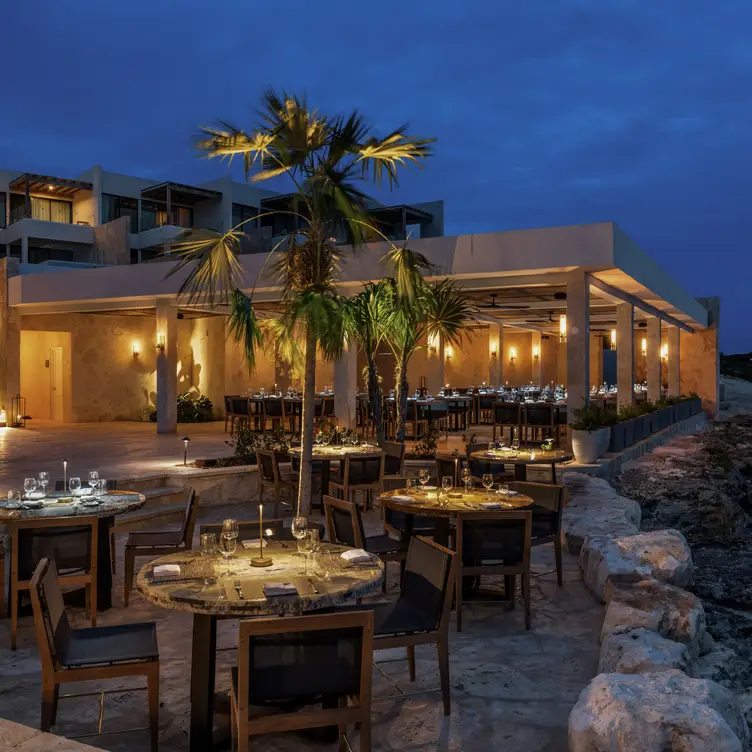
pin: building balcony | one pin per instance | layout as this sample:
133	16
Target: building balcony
41	229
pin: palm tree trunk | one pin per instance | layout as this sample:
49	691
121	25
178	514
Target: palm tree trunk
374	397
309	393
401	379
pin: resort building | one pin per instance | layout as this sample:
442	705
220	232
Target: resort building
89	333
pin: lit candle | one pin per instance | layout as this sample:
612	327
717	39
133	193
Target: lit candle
65	474
261	531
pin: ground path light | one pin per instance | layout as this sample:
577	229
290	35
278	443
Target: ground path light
186	440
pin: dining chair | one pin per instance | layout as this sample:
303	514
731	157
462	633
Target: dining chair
486	408
539	417
494	543
420	616
362	471
458	413
298	661
160	542
3	540
416	419
447	465
270	474
507	415
72	544
274	412
394	461
548	504
89	654
365	416
241	411
479	468
229	417
249	529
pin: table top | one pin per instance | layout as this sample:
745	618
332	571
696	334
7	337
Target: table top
439	504
337	452
114	503
188	592
524	456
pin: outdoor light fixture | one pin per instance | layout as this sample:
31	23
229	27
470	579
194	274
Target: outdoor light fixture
448	352
136	349
536	352
644	346
161	342
186	441
512	354
261	560
664	352
3	417
562	328
433	344
612	343
50	187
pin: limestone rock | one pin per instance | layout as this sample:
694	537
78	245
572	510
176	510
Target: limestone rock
596	509
660	554
641	651
667	610
657	712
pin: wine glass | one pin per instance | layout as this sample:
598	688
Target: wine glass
298	529
43	480
74	485
516	444
467	478
488	481
447	483
409	485
30	485
423	478
93	480
228	544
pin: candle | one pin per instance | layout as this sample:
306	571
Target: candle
65	475
261	531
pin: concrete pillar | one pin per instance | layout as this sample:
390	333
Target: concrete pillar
596	360
495	344
624	354
24	249
653	359
700	360
578	342
213	369
536	358
10	339
346	386
167	366
672	366
435	366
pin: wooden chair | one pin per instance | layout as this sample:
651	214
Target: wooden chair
394	461
365	419
485	408
458	413
549	502
2	574
478	468
362	472
446	465
241	411
416	419
269	474
160	542
229	419
438	413
274	412
303	659
507	415
249	529
93	654
502	538
72	543
540	418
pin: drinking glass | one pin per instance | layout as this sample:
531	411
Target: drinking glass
74	485
488	481
298	529
30	485
103	487
423	478
447	483
409	484
308	544
14	498
43	480
491	446
504	489
516	445
229	544
467	478
93	480
208	549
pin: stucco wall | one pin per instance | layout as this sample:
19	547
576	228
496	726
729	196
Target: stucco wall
520	371
468	365
549	359
36	372
699	360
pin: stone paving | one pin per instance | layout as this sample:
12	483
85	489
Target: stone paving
511	689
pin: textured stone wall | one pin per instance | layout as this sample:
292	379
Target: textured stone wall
112	242
699	360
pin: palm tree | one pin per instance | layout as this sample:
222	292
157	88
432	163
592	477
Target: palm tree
325	158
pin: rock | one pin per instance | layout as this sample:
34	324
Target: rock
641	651
667	610
661	554
594	508
659	712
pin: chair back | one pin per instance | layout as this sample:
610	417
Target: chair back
51	625
362	469
228	405
189	519
247	529
274	407
496	538
539	415
267	465
343	522
318	406
394	457
486	401
305	657
548	505
240	406
428	580
448	465
507	413
328	407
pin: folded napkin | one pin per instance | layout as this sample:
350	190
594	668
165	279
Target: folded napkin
404	499
356	556
490	505
511	493
166	569
253	543
280	588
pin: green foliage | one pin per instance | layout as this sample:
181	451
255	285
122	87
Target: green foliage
646	407
627	412
245	442
192	409
739	365
426	449
592	418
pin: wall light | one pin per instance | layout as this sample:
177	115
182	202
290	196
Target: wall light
512	354
433	344
644	346
448	353
494	350
664	351
161	342
136	349
612	342
562	328
536	352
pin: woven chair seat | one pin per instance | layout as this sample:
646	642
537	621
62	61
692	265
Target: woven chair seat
112	644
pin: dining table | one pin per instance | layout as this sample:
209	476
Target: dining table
59	504
522	458
211	588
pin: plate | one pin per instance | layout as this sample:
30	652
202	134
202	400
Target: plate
33	504
430	488
90	503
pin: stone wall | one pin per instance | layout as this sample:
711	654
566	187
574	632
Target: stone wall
112	242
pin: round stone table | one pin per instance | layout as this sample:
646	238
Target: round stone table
524	457
204	588
58	504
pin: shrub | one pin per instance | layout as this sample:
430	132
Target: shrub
592	418
245	443
426	449
198	409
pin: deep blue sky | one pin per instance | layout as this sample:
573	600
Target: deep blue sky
547	113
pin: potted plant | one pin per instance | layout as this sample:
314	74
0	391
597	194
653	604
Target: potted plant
591	431
622	432
650	418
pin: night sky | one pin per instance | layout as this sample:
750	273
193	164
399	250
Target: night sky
546	113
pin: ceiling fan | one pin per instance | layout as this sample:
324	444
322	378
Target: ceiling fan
502	306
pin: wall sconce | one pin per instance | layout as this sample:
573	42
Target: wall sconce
612	342
562	328
536	353
433	344
512	354
664	352
136	349
161	342
448	352
644	346
494	350
3	417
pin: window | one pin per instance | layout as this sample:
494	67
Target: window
50	210
241	213
39	255
154	214
114	207
2	210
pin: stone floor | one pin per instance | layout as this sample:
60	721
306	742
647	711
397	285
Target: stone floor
511	689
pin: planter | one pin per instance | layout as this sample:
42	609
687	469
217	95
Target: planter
696	406
588	446
669	415
638	428
616	442
628	433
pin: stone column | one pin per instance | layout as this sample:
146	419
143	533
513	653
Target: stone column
346	386
167	366
435	366
10	339
578	341
536	358
213	369
495	345
672	366
624	354
653	359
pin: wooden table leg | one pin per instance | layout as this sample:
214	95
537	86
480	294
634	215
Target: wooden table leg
520	472
104	564
441	531
407	533
553	473
324	482
203	670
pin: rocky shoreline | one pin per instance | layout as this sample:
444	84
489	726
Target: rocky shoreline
701	485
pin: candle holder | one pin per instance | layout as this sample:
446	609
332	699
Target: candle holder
261	560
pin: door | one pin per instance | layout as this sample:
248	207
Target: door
56	384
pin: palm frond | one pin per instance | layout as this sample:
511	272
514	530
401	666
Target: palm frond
244	326
283	342
397	150
448	312
323	312
408	266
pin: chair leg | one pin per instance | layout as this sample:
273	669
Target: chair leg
557	554
510	585
365	733
113	558
233	726
443	650
526	597
458	602
92	590
13	615
50	694
152	682
2	584
130	556
411	662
